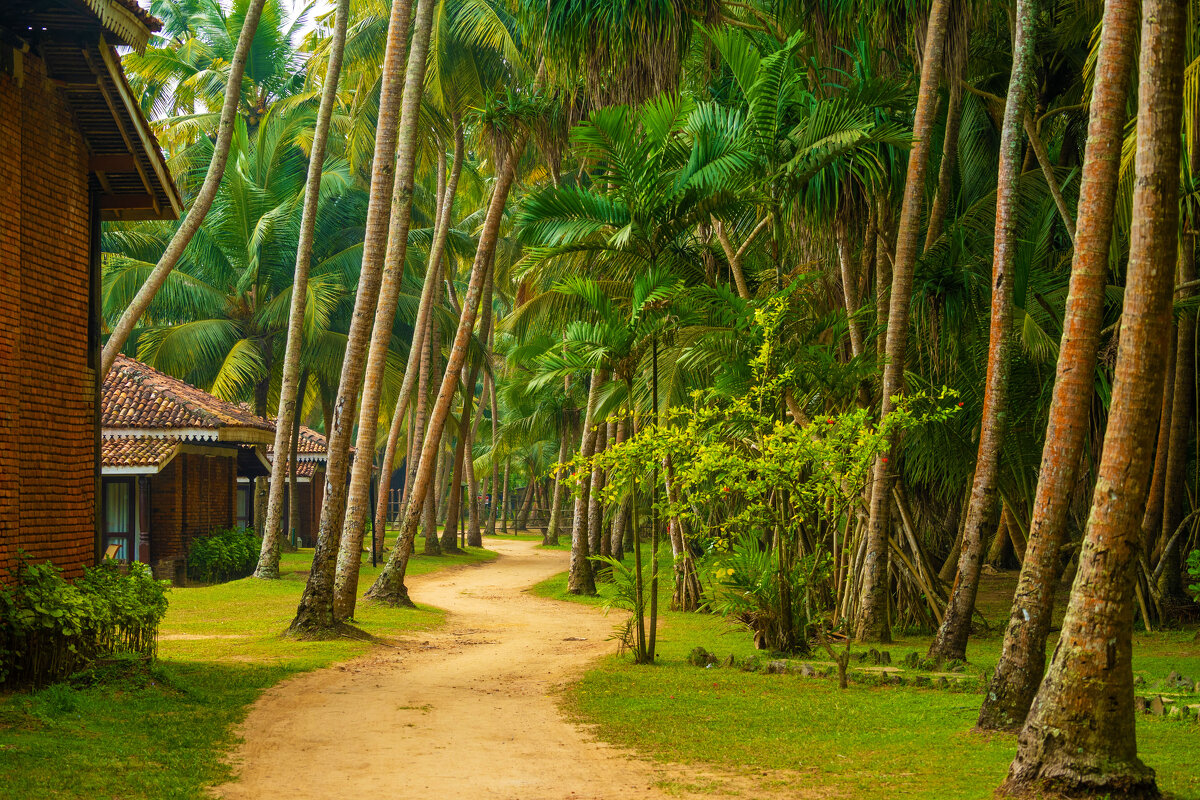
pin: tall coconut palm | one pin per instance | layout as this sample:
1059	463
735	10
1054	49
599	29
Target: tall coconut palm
1079	737
872	620
203	200
389	586
951	640
357	496
315	614
1022	657
289	383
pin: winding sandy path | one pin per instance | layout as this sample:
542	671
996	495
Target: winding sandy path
464	712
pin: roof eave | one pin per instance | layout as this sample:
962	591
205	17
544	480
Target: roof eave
121	22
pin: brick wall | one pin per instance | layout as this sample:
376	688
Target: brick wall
47	407
193	495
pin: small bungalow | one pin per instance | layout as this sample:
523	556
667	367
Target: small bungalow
172	456
310	489
76	151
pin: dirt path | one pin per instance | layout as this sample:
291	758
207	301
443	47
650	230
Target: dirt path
465	712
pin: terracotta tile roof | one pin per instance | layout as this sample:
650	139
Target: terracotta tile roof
136	451
138	398
312	444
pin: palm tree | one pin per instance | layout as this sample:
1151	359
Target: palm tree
315	614
872	620
353	504
951	640
1022	658
202	202
289	384
1079	736
389	586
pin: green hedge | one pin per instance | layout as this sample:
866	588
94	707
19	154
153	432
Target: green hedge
50	628
224	555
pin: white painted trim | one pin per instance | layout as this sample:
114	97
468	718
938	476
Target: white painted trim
195	434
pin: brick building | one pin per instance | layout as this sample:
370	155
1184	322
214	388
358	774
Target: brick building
310	488
172	457
74	150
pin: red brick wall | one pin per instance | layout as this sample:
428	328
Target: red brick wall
47	407
194	495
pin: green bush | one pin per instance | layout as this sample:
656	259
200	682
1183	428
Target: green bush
1193	568
50	628
224	555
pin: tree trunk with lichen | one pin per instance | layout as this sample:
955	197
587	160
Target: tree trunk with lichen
1023	655
1079	738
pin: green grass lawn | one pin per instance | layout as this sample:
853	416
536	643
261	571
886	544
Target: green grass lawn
867	741
162	732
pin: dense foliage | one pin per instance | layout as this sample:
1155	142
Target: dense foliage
51	628
223	555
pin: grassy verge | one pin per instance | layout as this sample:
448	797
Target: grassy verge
162	732
868	741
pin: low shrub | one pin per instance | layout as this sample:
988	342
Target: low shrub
223	555
51	628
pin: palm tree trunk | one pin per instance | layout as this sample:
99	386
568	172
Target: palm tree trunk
581	578
289	388
621	517
849	284
204	198
522	519
504	498
474	529
292	466
454	504
1023	656
1079	738
550	534
420	331
872	620
497	497
390	584
358	496
1182	406
1152	519
315	614
687	594
597	541
945	185
951	640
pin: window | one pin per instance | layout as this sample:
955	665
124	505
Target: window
245	505
118	518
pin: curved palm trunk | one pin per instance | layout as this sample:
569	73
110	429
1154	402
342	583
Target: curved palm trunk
1023	656
389	587
941	198
430	510
496	496
581	578
204	198
1153	516
474	536
951	640
872	621
358	496
315	616
289	386
1079	738
522	520
420	332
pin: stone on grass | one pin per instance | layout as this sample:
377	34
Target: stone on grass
777	667
885	658
1141	705
807	671
942	683
1157	707
699	657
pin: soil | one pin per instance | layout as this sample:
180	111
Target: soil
467	711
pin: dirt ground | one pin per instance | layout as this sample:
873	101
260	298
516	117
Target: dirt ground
463	712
